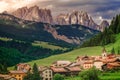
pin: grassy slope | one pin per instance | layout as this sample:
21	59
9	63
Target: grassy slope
105	76
46	45
36	43
116	45
68	56
97	50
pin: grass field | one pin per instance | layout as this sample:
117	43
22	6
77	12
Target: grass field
97	50
36	43
5	39
68	56
110	76
47	45
104	76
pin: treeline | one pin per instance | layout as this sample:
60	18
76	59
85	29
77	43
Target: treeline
10	56
29	33
13	52
107	36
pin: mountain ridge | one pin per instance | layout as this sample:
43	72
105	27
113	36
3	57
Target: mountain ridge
35	30
34	13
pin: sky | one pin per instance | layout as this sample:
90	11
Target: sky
98	9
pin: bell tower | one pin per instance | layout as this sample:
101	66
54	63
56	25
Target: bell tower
104	53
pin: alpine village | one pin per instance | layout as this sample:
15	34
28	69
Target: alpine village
59	40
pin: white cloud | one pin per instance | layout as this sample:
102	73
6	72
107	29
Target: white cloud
49	6
11	5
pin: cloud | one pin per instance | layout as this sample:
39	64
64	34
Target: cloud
11	5
96	8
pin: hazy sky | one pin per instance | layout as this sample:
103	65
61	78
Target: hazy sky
98	9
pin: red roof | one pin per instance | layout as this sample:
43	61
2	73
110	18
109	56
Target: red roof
17	72
58	69
115	64
73	68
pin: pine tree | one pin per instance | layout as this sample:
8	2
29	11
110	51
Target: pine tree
3	69
118	28
113	51
36	75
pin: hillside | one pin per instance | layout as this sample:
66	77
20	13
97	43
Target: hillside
109	38
37	40
69	55
16	28
96	50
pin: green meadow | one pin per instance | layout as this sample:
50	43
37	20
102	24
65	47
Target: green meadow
71	56
103	76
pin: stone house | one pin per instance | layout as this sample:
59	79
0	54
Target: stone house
61	63
46	73
23	67
98	64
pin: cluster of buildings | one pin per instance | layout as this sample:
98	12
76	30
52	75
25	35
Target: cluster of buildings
104	62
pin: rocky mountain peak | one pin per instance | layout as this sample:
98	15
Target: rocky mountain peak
76	17
80	17
34	14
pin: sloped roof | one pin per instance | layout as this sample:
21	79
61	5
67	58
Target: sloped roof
115	64
17	72
75	68
59	69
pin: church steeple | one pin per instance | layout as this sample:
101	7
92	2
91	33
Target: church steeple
104	50
104	53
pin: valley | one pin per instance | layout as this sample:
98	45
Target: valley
40	44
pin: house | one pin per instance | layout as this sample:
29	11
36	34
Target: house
46	73
87	65
60	70
6	77
19	75
73	70
98	64
86	62
96	57
23	67
107	60
67	71
113	65
61	63
82	59
74	64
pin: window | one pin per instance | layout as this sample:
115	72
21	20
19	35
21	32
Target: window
20	79
19	75
46	79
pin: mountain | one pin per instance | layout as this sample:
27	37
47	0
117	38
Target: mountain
104	24
11	26
34	14
44	15
79	17
24	38
107	36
